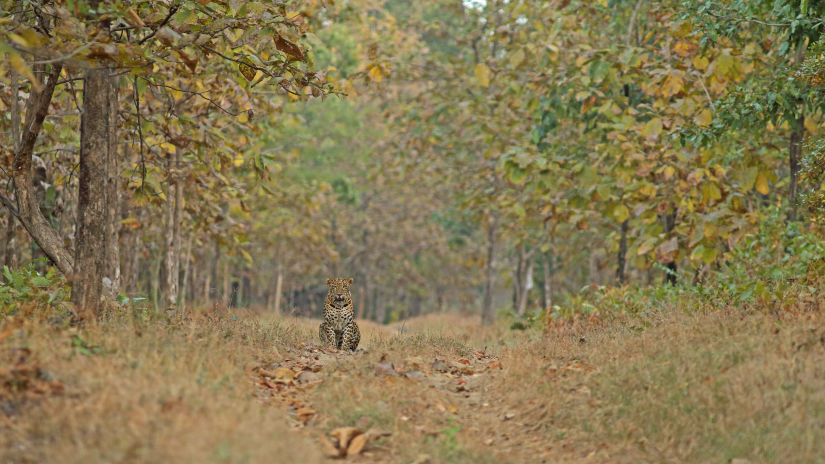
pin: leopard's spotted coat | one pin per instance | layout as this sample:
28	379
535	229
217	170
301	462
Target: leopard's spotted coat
339	329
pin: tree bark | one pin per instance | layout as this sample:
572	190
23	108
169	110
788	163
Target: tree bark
95	152
670	223
171	279
28	209
621	257
524	281
794	152
186	277
547	267
279	281
487	316
111	246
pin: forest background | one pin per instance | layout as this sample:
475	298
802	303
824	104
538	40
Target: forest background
536	158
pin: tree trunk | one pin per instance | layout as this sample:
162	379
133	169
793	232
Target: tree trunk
525	280
487	316
547	267
186	276
670	223
621	257
279	281
795	151
28	209
111	246
171	265
95	149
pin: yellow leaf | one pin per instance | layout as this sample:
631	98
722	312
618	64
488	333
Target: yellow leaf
762	183
710	192
700	62
482	73
672	85
703	118
749	178
621	213
709	230
648	190
811	125
652	128
669	171
21	67
728	67
242	117
516	58
375	73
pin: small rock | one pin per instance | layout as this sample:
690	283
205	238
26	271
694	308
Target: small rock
508	416
308	377
440	366
384	368
415	375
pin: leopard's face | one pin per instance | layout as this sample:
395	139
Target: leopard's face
339	289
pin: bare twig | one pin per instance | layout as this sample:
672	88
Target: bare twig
172	10
192	92
140	136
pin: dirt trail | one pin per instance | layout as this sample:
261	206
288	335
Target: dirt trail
461	387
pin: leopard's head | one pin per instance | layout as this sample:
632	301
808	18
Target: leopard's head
339	288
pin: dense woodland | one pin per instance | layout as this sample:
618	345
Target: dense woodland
579	231
534	157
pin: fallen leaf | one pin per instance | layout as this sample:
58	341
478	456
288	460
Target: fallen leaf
329	448
304	414
356	445
283	375
344	435
374	434
464	361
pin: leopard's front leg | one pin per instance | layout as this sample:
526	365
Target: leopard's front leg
351	338
327	334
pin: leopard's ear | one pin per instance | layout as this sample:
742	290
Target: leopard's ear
350	281
329	281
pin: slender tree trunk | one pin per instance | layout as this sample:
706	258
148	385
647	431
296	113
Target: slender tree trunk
186	274
171	265
670	223
227	291
621	257
279	281
795	151
487	316
525	281
111	246
547	267
380	309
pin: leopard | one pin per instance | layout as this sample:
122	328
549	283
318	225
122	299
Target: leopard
339	330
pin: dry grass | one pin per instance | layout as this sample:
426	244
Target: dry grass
689	388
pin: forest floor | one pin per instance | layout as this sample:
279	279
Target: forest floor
725	386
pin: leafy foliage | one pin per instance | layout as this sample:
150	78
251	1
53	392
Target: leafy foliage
27	286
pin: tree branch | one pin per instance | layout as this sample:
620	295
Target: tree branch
29	214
